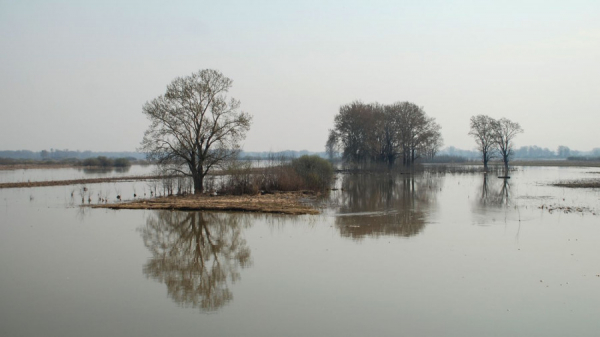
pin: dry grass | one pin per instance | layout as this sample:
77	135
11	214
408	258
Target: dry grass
283	203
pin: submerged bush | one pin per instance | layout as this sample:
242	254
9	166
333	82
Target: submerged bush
304	173
316	172
122	162
239	180
106	162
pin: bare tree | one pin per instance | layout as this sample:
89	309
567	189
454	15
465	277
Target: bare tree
194	125
504	132
431	140
483	130
331	147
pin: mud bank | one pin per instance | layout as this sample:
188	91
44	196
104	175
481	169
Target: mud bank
284	203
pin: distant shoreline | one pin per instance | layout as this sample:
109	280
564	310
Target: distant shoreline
47	183
32	166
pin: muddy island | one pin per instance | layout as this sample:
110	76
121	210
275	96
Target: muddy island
294	203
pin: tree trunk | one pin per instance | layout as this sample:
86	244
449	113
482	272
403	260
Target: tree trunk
198	184
485	163
391	160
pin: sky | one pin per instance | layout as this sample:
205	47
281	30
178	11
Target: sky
75	74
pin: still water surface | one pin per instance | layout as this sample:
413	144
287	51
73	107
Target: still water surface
423	255
24	175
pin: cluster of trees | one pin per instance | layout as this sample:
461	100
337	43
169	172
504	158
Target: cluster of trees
494	137
383	133
102	161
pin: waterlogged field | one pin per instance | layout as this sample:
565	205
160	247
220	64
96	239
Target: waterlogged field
429	254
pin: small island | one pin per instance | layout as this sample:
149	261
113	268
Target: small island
293	203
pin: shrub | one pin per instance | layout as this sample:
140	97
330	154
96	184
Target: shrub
239	180
122	162
91	162
305	173
316	172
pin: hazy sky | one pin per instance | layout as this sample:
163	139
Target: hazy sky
75	74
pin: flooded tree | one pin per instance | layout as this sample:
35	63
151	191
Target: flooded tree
494	137
483	130
194	125
384	133
505	131
355	130
196	255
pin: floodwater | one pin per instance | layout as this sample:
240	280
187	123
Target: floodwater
71	173
428	254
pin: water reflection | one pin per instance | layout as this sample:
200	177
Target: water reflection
385	204
196	255
494	192
104	170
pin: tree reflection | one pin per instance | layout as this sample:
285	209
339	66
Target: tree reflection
196	255
390	204
496	193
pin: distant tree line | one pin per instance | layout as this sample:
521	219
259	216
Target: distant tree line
526	152
379	133
100	161
55	154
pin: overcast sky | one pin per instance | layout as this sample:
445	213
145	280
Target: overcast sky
75	74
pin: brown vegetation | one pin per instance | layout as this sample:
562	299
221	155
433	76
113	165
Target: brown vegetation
304	173
284	203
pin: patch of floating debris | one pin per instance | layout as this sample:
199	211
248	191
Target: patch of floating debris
567	209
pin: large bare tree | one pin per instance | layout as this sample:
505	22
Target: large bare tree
195	126
483	129
505	131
